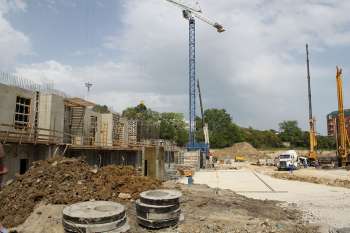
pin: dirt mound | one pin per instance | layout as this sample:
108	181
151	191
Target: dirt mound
242	148
66	181
312	179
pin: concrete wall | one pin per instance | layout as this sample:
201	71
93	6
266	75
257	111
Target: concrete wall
51	114
8	96
14	153
154	162
107	125
87	123
106	157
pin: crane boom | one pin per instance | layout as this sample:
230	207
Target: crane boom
189	12
312	121
204	125
200	101
183	6
308	80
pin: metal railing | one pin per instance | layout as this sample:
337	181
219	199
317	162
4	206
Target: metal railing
31	135
17	81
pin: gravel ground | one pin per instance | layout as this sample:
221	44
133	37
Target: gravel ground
321	204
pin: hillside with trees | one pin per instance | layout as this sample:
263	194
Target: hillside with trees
223	131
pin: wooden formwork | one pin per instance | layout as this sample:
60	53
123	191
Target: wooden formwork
132	131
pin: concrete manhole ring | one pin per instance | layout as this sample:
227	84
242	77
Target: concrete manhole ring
94	212
161	194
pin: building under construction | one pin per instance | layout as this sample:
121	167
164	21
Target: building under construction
37	123
331	122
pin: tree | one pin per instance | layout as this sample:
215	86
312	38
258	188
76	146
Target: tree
173	127
142	113
262	139
101	108
326	142
222	131
290	132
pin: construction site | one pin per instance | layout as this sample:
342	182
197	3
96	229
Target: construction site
70	164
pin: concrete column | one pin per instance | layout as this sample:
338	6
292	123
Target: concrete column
157	162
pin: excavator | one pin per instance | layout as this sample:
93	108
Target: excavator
343	153
312	121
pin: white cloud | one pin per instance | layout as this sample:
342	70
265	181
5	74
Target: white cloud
12	5
117	85
256	69
13	43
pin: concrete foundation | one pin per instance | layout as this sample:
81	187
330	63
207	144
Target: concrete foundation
18	158
107	157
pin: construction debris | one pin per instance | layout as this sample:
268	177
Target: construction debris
67	181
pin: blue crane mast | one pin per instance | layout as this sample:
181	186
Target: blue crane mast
192	83
190	13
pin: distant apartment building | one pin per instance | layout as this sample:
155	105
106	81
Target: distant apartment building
332	119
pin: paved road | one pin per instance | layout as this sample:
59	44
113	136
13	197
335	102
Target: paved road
322	204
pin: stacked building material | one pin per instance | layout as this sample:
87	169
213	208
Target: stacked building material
95	216
192	158
158	208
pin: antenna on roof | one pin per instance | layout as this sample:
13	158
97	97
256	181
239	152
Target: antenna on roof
88	85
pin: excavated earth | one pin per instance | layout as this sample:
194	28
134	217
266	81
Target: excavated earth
312	179
65	181
34	201
205	210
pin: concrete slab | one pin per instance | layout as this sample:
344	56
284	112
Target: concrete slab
321	204
237	180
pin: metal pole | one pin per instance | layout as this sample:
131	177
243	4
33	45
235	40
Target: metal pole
192	82
308	81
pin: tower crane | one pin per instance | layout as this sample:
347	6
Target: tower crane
343	152
190	13
312	120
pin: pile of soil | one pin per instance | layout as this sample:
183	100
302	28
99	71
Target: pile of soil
65	181
205	210
312	179
242	148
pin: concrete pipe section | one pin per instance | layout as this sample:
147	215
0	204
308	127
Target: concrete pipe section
95	216
158	208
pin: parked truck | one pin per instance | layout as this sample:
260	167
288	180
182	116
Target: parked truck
288	160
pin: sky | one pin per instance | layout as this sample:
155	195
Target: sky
137	50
